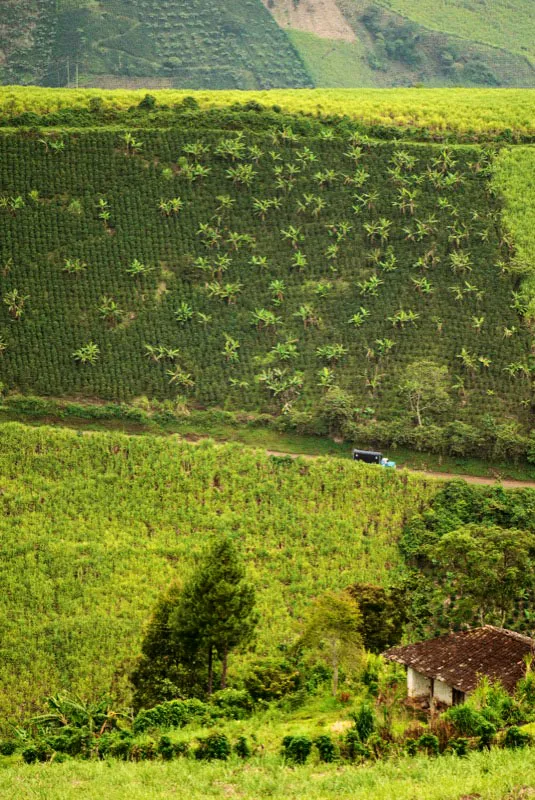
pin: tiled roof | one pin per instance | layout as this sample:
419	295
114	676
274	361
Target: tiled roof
460	659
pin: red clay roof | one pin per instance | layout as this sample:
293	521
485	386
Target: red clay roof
460	659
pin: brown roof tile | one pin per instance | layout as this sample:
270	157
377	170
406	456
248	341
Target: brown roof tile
459	659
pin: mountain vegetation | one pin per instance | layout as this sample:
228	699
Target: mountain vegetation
250	260
200	44
96	526
248	44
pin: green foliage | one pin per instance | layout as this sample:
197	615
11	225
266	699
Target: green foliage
231	704
467	721
475	548
83	605
471	117
296	749
7	747
271	679
172	714
383	615
515	737
242	748
301	351
212	747
365	723
200	45
332	630
215	612
326	748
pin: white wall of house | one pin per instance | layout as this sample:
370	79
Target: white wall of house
417	684
420	686
442	692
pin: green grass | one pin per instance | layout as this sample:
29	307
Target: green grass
94	526
508	25
490	776
333	63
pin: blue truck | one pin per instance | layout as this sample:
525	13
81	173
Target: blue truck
373	457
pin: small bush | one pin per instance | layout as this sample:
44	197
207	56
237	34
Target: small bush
487	732
465	720
7	747
364	719
172	714
296	748
353	748
232	704
37	751
242	747
271	679
515	737
214	746
120	746
326	748
181	749
428	743
165	748
459	746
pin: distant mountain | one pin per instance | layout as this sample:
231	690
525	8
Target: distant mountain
405	42
250	44
213	44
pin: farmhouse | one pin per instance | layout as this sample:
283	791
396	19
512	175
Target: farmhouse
449	667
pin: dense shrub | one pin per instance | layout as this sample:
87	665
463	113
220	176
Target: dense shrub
7	747
212	747
172	714
326	748
364	719
231	704
272	679
242	748
296	748
515	737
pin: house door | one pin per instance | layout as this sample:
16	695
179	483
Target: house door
457	697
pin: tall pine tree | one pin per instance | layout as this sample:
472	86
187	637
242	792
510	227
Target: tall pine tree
216	612
194	629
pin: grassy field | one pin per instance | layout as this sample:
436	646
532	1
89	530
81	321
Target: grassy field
495	775
458	110
95	525
333	63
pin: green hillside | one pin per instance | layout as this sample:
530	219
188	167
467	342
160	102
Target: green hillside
239	262
94	527
240	44
507	25
391	46
196	44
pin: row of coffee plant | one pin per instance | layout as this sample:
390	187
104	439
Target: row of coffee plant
259	270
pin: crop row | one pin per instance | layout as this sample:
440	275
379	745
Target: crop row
267	268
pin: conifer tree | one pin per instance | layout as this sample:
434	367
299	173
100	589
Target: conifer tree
216	611
194	627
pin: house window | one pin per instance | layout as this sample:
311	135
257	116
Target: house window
457	697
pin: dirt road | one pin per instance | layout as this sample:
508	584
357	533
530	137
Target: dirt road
442	476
